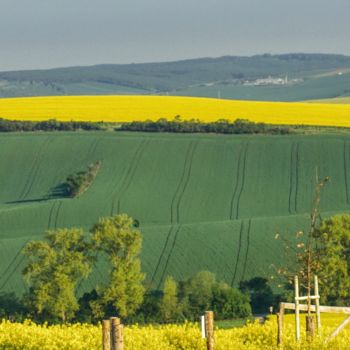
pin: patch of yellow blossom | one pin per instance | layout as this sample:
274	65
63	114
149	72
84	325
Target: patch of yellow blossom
132	108
253	336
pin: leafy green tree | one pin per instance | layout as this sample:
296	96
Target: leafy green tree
196	294
334	259
120	242
229	303
260	293
56	266
169	307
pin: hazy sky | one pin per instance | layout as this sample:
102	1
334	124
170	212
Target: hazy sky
52	33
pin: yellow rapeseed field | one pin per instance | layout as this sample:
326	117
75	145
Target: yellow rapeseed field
29	336
131	108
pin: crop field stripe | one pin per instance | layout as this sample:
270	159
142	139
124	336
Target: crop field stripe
238	253
247	250
297	160
3	285
57	213
187	179
50	214
293	179
346	167
242	179
131	175
235	184
173	207
169	256
124	178
161	255
34	170
3	274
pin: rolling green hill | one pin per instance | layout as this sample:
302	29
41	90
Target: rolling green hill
203	201
320	75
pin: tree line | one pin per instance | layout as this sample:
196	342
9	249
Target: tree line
177	125
7	125
222	126
58	265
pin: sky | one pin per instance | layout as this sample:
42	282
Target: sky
55	33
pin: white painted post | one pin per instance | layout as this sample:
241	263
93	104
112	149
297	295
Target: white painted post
203	326
297	315
317	304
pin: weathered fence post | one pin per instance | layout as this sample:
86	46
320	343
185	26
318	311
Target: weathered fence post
116	334
106	335
209	329
297	315
280	315
317	306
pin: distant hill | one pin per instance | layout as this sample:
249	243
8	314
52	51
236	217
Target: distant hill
287	77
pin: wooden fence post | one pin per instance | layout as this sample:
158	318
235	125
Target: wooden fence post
297	315
280	315
317	306
106	335
117	334
209	329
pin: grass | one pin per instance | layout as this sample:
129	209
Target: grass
129	108
203	201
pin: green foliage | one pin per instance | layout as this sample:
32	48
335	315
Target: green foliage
239	126
7	125
229	303
334	259
202	292
260	294
54	270
117	238
79	182
169	306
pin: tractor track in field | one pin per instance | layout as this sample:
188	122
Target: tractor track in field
3	285
50	214
247	250
242	179
239	184
3	274
293	184
127	178
162	254
57	213
346	172
238	253
181	187
34	169
169	256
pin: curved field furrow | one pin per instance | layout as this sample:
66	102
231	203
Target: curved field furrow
57	214
52	209
34	170
242	179
173	206
292	202
124	179
131	175
185	182
247	251
168	257
296	179
346	170
238	253
13	271
161	256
